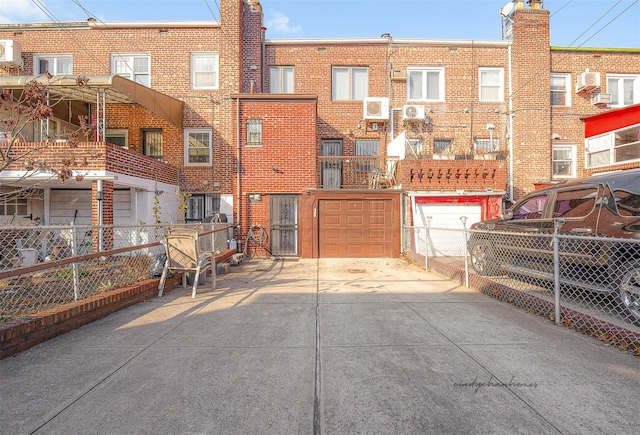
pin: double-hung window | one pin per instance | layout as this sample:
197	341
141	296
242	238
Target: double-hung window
564	161
281	79
134	66
349	83
491	84
55	64
624	89
561	89
425	83
204	70
197	146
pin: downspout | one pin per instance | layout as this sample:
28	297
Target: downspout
263	71
238	166
511	157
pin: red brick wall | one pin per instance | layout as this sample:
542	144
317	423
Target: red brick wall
285	163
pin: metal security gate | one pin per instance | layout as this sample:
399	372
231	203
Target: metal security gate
284	225
332	169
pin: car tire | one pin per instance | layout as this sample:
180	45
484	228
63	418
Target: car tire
629	290
483	259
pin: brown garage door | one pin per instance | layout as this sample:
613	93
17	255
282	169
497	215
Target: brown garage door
355	228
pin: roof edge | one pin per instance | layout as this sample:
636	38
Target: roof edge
393	42
91	24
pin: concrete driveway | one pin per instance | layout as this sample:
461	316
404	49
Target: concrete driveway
328	346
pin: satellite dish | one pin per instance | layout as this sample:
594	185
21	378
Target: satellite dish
507	9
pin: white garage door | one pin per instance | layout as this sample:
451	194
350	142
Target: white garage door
444	237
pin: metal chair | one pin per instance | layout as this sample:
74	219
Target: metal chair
184	255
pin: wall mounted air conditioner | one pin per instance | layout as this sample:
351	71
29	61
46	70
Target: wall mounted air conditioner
412	112
376	109
10	53
587	81
601	99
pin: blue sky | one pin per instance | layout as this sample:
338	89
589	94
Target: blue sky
575	23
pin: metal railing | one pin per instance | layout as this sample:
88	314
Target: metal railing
589	283
357	172
45	266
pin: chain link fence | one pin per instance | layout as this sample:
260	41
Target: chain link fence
589	283
45	266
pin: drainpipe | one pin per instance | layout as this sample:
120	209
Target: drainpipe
100	198
238	166
511	157
263	71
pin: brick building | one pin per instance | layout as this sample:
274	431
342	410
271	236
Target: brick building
322	147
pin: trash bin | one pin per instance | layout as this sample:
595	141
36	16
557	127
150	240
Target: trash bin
28	256
201	277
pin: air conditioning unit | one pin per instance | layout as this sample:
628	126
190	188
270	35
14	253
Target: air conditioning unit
411	112
601	99
10	53
376	109
587	81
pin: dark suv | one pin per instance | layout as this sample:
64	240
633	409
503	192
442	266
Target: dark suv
597	212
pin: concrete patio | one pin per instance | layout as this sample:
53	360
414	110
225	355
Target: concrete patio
331	346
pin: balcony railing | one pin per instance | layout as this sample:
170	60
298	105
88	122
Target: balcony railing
380	172
357	172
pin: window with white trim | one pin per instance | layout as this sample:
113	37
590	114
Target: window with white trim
491	84
134	66
197	146
561	89
117	136
619	146
349	83
564	161
281	80
484	146
624	89
204	70
55	64
425	84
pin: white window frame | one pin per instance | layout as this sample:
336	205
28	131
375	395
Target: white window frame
129	59
187	133
566	78
119	132
424	71
356	91
605	144
285	83
213	56
52	59
616	96
485	145
482	86
572	148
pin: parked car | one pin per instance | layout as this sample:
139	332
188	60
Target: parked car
596	211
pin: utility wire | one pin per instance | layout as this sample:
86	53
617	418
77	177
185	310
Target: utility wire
47	12
562	59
